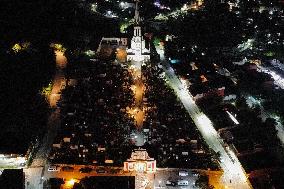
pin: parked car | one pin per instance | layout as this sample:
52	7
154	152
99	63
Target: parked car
85	169
101	171
182	182
183	173
170	183
195	173
67	168
52	168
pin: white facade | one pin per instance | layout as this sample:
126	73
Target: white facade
140	162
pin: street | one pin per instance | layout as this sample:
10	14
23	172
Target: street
234	174
278	79
142	180
172	175
35	171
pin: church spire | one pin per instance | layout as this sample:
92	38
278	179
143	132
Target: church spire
136	17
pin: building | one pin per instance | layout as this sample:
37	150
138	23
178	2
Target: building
13	160
110	182
113	42
140	162
116	41
138	51
212	92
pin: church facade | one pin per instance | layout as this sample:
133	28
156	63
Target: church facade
138	51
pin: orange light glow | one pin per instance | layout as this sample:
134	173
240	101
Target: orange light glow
71	182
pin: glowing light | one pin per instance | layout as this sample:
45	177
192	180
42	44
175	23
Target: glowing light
71	182
21	159
122	4
20	46
90	53
232	118
46	91
58	47
246	45
16	48
94	7
184	8
140	166
157	4
184	82
278	80
123	26
204	120
203	78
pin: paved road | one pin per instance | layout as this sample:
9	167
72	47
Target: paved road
35	171
277	76
137	111
234	174
142	180
164	175
59	80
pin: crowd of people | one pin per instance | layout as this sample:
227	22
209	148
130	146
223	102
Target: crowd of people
173	138
95	124
97	127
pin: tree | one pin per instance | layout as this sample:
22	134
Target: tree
78	186
199	31
203	182
241	103
55	183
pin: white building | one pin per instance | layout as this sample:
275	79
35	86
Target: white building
138	51
140	162
114	42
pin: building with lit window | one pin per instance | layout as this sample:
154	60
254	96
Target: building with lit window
140	162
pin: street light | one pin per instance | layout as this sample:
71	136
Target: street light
70	183
122	5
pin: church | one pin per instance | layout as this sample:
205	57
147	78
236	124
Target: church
138	52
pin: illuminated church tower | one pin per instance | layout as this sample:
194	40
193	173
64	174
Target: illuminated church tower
138	51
